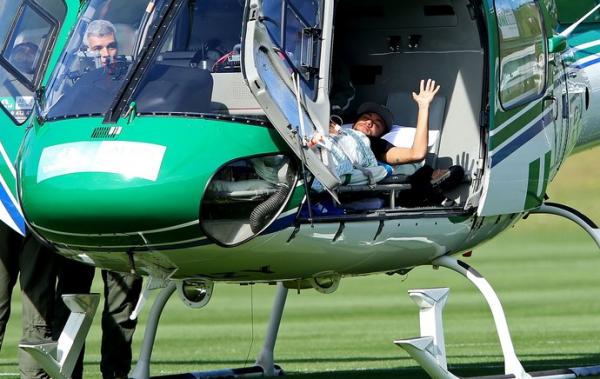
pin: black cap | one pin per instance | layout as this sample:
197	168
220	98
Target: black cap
383	112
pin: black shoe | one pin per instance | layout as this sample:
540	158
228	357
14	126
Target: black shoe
448	179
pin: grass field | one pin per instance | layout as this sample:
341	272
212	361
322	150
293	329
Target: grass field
545	271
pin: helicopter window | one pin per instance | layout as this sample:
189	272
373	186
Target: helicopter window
246	196
25	47
296	32
98	57
57	9
197	69
522	51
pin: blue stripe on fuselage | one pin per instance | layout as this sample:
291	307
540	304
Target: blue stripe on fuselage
12	210
280	224
588	63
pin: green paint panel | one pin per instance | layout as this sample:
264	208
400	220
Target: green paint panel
514	127
531	198
547	162
569	11
106	202
296	198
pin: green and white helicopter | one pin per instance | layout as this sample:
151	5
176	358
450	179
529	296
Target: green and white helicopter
184	158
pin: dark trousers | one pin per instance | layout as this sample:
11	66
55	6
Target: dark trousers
121	293
34	265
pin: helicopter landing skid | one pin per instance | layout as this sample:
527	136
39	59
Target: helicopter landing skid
263	366
429	350
574	215
59	358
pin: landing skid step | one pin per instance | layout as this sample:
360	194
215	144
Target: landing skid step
244	372
58	359
429	350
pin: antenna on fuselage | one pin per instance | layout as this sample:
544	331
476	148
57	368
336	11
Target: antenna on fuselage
565	33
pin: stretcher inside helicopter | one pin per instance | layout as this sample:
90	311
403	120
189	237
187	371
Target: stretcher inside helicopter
383	49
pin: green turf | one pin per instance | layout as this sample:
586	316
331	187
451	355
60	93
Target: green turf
545	271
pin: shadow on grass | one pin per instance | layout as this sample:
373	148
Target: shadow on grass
281	362
526	359
493	366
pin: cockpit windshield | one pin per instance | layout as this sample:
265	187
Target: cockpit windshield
196	67
98	57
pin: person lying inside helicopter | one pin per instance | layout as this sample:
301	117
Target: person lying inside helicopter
23	57
361	146
100	74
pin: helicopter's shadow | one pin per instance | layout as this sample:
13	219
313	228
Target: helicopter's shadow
531	362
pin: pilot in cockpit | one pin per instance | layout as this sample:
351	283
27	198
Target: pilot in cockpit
100	72
100	39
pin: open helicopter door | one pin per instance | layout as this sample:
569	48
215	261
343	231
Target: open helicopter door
285	60
525	111
31	33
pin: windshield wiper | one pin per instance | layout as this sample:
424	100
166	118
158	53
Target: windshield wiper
152	37
247	119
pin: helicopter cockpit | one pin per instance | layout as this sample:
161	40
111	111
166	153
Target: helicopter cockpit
195	69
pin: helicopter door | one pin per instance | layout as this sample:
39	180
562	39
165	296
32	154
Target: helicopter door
561	100
286	63
28	32
523	112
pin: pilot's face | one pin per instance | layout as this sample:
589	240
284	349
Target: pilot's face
105	46
370	124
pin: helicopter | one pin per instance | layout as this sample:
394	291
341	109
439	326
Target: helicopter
185	157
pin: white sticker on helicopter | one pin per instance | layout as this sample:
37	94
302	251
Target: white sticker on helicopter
24	102
130	159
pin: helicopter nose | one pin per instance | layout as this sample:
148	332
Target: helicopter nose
124	192
105	187
113	207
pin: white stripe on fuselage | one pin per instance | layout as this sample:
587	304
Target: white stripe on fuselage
70	245
587	59
586	45
7	160
166	229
